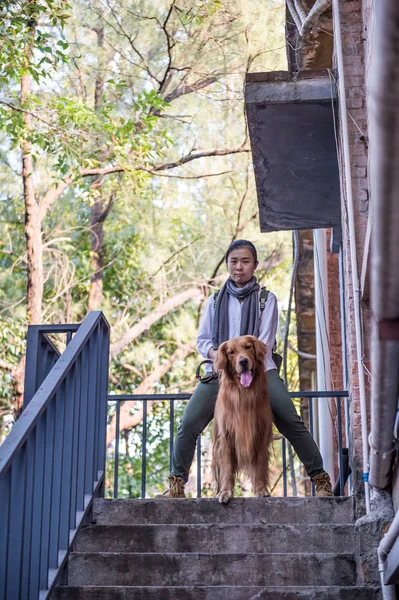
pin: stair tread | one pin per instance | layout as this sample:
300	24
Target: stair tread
201	568
209	510
237	537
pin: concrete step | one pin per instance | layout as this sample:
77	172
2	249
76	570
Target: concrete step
238	510
216	593
217	538
196	569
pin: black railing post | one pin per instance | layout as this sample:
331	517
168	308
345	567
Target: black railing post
144	451
311	433
340	457
116	455
199	483
171	432
284	457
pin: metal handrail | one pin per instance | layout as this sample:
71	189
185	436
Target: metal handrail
42	354
145	398
52	464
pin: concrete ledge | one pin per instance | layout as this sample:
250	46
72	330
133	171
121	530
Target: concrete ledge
316	89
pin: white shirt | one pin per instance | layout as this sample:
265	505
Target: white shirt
268	319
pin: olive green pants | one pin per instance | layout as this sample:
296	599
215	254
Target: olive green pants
199	413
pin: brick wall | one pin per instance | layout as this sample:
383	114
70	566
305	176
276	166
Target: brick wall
354	24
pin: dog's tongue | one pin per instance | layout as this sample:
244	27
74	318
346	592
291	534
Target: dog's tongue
246	378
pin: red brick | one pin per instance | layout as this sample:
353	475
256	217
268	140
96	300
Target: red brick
349	6
354	103
350	20
354	81
359	149
350	38
354	70
359	161
359	114
351	28
353	48
358	172
353	60
356	125
360	183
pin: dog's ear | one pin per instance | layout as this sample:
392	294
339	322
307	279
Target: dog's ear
221	357
260	350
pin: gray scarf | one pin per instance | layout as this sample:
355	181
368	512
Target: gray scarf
249	311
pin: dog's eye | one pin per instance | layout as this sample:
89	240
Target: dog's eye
230	352
247	347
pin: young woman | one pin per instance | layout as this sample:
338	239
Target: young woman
237	312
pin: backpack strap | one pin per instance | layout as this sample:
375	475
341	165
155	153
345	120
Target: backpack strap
215	297
264	294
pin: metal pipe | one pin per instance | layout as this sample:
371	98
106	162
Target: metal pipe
344	357
322	349
340	450
352	246
383	88
384	548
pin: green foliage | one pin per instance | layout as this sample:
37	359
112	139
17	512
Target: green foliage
28	40
12	343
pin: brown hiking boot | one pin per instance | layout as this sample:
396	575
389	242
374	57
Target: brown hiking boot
323	485
176	488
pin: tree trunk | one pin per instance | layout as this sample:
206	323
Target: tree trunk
96	222
33	226
97	255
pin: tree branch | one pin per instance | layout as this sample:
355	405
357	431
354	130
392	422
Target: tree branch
170	44
158	313
183	89
107	209
196	155
57	190
305	22
6	366
128	420
312	19
294	14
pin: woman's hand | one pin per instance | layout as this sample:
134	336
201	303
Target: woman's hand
211	353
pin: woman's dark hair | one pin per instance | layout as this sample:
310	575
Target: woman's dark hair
242	244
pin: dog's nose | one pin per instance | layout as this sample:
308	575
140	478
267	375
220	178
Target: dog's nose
243	362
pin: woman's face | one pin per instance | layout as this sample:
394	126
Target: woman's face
241	265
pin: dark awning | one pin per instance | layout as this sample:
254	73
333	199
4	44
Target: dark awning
291	126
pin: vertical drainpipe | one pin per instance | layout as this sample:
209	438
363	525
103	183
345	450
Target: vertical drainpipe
344	356
323	349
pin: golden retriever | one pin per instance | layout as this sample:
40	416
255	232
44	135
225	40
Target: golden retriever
242	430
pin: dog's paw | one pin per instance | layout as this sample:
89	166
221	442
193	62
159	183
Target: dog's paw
262	494
224	496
